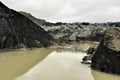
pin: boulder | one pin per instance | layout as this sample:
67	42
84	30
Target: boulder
87	59
17	30
107	55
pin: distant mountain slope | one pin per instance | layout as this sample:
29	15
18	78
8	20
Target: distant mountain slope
75	32
17	31
35	20
69	32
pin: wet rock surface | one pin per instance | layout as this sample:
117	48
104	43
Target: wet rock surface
17	31
87	59
107	55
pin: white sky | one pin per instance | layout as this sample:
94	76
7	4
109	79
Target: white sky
69	10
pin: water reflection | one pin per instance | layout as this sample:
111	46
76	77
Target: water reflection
60	66
65	66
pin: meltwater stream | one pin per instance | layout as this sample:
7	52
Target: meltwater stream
60	66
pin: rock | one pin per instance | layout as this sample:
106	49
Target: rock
91	51
17	30
87	59
107	55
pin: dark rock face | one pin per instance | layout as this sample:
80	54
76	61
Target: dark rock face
107	56
16	30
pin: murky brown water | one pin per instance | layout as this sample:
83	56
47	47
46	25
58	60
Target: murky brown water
104	76
65	66
27	65
15	63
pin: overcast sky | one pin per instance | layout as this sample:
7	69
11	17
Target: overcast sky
69	10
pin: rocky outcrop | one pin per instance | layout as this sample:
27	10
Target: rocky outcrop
107	56
17	31
90	52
